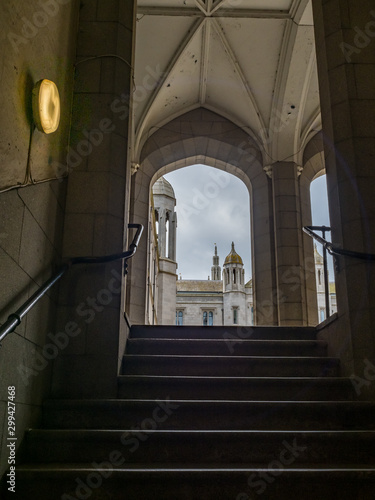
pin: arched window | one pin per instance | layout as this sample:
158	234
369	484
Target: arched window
179	318
208	318
234	276
157	221
167	233
204	318
319	277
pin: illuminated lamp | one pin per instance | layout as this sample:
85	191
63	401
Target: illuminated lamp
46	106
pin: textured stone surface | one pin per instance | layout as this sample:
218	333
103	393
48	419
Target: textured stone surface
47	51
33	223
202	437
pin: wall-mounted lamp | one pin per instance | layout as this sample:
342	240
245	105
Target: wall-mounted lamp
46	106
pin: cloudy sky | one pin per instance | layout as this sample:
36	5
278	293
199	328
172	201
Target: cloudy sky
214	207
319	202
320	215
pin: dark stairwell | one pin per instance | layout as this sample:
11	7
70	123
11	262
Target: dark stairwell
209	413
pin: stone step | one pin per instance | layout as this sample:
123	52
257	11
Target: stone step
208	415
223	332
237	388
231	366
210	447
228	347
195	482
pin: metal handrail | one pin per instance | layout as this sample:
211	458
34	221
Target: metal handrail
15	319
333	250
310	231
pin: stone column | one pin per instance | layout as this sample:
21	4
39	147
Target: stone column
263	252
162	235
97	201
345	34
288	244
172	237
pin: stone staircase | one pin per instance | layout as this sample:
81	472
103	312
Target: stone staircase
209	413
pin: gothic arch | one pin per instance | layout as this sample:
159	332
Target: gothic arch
202	136
313	166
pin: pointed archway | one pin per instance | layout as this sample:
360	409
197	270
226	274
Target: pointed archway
202	136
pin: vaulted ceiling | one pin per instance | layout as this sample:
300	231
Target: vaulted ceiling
251	61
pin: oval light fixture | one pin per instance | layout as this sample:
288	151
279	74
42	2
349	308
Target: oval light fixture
46	106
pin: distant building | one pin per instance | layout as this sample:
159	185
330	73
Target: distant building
319	272
162	265
225	299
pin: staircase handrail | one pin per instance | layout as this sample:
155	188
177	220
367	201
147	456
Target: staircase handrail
15	318
334	250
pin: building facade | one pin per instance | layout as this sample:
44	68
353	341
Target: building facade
213	302
229	301
320	287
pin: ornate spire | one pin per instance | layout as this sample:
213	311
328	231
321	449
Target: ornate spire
233	257
215	269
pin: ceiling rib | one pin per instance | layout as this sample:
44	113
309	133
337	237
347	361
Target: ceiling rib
177	55
303	100
240	73
169	11
201	6
217	5
297	10
229	13
283	69
204	62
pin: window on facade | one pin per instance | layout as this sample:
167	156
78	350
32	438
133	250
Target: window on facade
234	276
235	317
167	235
208	318
179	318
205	318
157	222
320	277
322	314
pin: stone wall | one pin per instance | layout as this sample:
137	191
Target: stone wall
31	222
37	42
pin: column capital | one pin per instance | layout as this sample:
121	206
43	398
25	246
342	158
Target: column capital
268	170
134	168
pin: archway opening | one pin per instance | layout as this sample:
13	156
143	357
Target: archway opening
320	217
212	211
